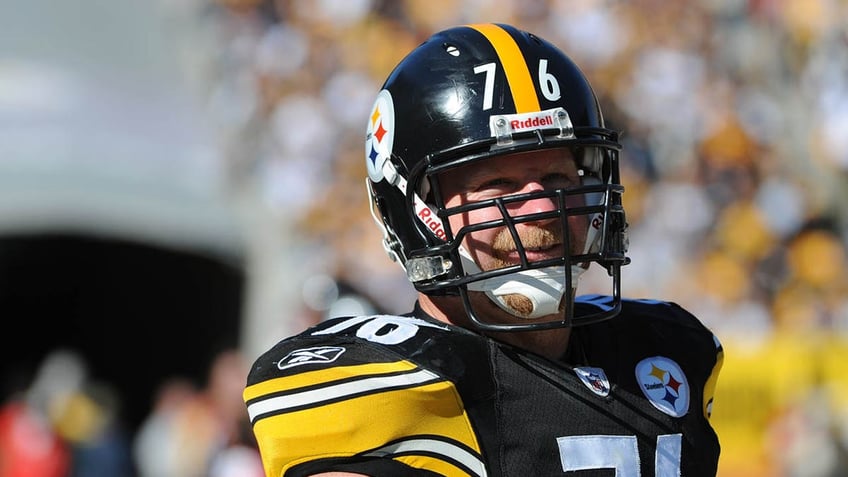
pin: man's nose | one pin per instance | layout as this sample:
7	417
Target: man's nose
534	206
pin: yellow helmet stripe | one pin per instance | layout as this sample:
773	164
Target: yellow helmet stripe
517	74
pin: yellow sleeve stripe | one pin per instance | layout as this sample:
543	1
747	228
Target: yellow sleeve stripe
323	375
338	391
423	426
515	67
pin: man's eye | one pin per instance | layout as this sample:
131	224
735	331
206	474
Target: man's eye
494	184
559	180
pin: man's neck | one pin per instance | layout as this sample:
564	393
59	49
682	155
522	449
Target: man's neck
550	344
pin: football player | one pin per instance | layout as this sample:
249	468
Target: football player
496	185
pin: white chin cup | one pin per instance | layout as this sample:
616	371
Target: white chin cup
544	287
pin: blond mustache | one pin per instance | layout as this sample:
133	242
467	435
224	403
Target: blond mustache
533	238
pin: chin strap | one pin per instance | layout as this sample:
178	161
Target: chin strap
544	287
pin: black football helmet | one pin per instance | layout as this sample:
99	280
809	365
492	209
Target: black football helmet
468	94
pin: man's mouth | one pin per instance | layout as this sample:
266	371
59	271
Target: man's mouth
535	253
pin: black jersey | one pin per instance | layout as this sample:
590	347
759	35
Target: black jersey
409	396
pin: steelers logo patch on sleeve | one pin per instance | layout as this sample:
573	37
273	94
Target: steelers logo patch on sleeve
664	384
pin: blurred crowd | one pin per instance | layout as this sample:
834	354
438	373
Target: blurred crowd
734	116
65	422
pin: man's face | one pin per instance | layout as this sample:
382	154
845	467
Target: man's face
509	175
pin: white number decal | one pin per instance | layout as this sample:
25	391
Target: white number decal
620	453
547	82
384	329
489	86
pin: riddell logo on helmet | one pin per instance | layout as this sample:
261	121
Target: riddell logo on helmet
535	122
502	125
432	222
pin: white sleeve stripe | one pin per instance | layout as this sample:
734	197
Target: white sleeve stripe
433	446
335	392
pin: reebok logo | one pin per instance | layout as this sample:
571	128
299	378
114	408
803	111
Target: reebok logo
316	355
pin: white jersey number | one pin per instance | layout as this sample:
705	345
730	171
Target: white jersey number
383	329
620	453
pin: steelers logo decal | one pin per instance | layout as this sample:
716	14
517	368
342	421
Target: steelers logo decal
380	135
664	384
